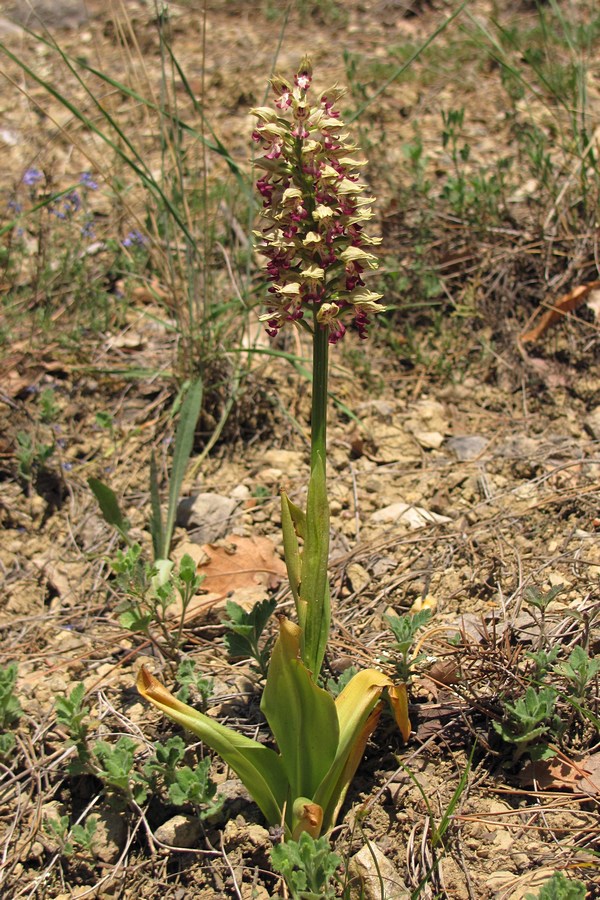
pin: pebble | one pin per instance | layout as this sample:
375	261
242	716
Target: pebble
368	869
467	447
180	831
207	516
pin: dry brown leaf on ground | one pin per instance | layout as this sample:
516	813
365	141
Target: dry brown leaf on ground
240	563
589	782
562	774
565	304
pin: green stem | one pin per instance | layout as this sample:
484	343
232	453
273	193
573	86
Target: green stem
318	444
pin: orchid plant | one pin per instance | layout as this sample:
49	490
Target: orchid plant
315	245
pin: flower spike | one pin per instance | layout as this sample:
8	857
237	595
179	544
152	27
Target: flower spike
315	210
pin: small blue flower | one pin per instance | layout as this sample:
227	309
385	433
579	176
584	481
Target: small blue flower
69	205
32	176
15	206
135	238
88	182
88	229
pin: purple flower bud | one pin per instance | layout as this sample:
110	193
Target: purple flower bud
134	238
87	181
32	176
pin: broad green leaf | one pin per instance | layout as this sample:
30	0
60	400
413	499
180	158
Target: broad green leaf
301	715
314	588
292	553
259	768
354	708
108	503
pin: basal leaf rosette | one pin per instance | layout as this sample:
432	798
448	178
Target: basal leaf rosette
315	209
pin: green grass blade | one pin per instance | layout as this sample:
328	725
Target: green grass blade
184	442
134	161
156	520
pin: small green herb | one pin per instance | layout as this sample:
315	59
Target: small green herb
335	686
195	786
49	408
559	887
245	632
116	768
71	714
79	837
579	671
166	758
404	629
10	709
308	867
188	677
528	721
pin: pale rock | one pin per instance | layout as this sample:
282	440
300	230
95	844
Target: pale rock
240	492
235	798
358	577
110	835
412	516
383	409
428	415
48	13
180	831
467	447
429	440
368	869
254	892
269	476
289	461
206	516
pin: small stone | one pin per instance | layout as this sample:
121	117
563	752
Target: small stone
206	516
413	516
270	475
180	831
369	869
110	834
468	446
429	440
289	461
358	577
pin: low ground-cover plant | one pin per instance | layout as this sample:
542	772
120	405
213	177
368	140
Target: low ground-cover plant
10	709
317	250
118	766
308	867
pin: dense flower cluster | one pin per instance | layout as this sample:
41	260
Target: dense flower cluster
315	208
